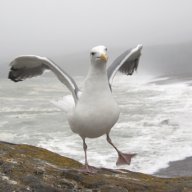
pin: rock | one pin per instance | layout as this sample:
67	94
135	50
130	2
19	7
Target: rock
29	168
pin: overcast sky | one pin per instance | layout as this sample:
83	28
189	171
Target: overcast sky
55	27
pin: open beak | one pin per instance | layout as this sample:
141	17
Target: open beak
104	57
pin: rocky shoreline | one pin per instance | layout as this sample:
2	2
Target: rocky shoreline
180	168
27	168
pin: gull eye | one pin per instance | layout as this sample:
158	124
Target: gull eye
92	53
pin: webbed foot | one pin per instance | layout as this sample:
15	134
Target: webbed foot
125	158
87	169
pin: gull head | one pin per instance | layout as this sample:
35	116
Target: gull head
99	55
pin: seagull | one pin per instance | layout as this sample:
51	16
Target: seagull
93	111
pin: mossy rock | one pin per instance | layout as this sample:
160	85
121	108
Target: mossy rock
29	168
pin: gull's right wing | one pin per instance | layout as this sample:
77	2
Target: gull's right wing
28	66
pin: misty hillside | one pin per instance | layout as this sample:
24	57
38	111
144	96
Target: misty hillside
167	59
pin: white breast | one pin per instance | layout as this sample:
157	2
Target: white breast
96	111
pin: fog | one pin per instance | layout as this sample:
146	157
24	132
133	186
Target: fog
65	30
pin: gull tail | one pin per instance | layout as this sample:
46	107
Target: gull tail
66	104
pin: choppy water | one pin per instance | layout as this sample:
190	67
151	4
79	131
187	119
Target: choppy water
155	121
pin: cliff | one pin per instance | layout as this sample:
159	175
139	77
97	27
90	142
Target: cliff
27	168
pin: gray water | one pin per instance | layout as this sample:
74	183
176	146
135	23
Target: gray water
155	121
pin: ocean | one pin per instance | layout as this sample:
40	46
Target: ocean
155	121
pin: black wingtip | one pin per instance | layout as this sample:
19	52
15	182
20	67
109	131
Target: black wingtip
11	75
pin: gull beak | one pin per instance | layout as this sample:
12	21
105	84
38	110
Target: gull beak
104	57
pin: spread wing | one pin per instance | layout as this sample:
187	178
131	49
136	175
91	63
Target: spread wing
126	63
28	66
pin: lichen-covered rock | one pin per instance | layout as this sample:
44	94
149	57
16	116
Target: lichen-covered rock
26	168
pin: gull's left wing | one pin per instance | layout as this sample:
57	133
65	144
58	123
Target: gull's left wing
126	63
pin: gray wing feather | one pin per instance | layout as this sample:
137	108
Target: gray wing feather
126	63
28	66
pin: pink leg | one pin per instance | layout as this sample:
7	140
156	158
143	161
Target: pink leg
123	158
87	168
